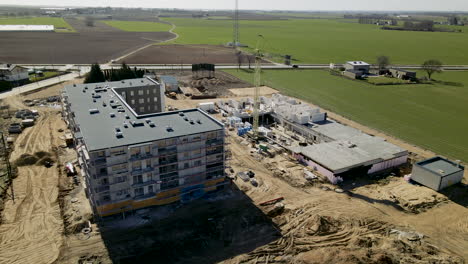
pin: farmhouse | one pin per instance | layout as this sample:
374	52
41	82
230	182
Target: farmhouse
437	173
343	151
357	66
14	74
27	28
131	160
403	74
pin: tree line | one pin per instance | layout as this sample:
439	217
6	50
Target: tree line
96	74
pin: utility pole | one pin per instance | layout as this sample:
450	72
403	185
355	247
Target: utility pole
235	40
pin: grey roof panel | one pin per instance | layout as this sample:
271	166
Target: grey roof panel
99	129
440	166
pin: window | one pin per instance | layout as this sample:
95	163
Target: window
101	154
141	100
196	152
119	167
186	154
148	92
137	179
117	151
136	165
122	192
120	179
155	99
142	109
186	165
150	188
132	93
211	135
135	151
141	92
147	149
148	99
139	191
197	163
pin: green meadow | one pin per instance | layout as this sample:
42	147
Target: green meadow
329	40
432	116
138	26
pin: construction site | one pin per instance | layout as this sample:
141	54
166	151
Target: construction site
279	206
198	166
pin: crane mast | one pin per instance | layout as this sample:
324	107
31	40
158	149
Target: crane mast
257	82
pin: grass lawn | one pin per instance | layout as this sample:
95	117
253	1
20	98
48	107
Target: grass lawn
60	24
138	26
47	74
433	116
329	40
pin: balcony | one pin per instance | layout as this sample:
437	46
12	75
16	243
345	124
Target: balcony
141	156
101	174
102	189
216	151
141	171
214	141
140	184
217	168
100	161
165	151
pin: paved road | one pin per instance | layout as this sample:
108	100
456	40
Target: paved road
40	84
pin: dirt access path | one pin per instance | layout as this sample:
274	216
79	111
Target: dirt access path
32	225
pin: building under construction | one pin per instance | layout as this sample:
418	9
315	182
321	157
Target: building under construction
132	159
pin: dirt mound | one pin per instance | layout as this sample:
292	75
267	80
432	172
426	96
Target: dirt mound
41	158
26	160
309	237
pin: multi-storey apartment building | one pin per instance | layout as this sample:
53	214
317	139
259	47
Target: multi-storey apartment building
131	160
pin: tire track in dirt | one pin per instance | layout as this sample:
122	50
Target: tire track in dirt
32	232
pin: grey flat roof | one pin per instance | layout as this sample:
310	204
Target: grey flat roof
335	130
356	63
99	130
440	166
350	148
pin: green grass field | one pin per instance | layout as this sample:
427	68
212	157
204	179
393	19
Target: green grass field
60	24
431	116
46	75
138	26
325	41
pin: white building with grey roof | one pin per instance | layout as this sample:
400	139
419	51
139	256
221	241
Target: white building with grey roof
131	158
342	150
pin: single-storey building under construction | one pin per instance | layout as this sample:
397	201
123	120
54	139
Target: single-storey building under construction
342	151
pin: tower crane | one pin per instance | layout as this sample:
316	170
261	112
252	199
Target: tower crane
257	80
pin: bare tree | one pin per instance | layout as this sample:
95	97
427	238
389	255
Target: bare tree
383	62
89	21
249	60
239	59
431	67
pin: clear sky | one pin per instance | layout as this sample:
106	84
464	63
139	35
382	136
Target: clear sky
352	5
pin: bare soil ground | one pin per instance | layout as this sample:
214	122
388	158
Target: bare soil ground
372	221
219	86
188	54
73	48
